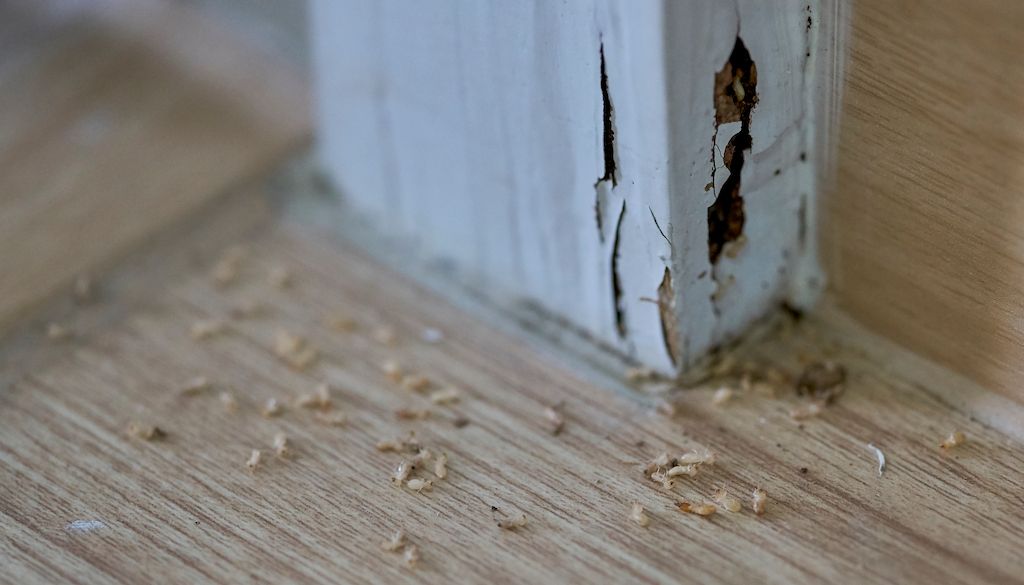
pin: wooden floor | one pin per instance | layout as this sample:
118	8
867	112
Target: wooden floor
81	501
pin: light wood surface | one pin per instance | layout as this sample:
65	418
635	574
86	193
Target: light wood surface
117	119
185	507
924	240
81	501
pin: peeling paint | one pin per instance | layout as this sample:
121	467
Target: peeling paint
608	148
669	323
735	98
609	127
620	311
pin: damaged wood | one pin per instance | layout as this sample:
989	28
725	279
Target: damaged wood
667	314
608	147
508	182
735	98
620	311
608	136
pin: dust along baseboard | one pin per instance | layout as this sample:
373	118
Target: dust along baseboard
646	171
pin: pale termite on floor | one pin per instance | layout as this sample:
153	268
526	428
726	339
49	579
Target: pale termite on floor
554	419
449	395
207	328
228	401
805	411
512	524
640	374
395	543
431	335
392	370
637	514
723	395
954	439
411	557
246	309
879	456
195	386
271	408
701	457
657	464
279	277
727	500
342	322
294	351
302	359
664	469
759	501
254	460
385	335
700	509
320	397
398	445
225	272
666	482
822	381
406	413
333	418
57	332
286	342
417	484
441	466
666	408
82	289
687	470
145	432
422	456
415	382
281	447
401	472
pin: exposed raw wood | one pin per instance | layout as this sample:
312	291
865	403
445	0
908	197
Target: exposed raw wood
82	501
924	238
572	154
117	119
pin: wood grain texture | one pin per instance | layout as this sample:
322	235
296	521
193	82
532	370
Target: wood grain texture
924	240
186	509
117	119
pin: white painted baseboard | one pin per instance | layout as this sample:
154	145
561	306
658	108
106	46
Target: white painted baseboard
569	153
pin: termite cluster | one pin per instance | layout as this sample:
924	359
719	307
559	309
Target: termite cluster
417	460
664	469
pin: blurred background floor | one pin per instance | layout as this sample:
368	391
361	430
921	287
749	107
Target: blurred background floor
134	145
